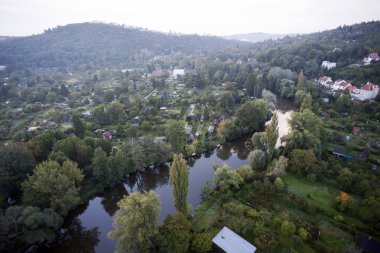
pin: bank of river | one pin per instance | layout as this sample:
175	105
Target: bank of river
85	229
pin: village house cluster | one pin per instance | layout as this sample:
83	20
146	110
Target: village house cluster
367	91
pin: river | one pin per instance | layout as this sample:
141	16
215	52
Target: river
85	229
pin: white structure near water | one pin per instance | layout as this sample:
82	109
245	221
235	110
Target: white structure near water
230	242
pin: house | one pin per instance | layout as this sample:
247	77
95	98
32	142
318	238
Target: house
197	134
367	92
374	56
136	120
340	85
163	109
325	81
86	113
351	88
211	129
230	242
188	129
107	135
328	65
178	72
356	130
160	138
367	243
33	128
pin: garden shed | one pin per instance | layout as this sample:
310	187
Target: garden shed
230	242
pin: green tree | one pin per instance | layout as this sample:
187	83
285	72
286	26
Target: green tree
227	100
257	159
179	179
176	136
100	168
206	113
201	243
53	185
135	222
302	161
76	149
301	83
307	102
270	137
116	112
278	166
303	234
78	126
251	115
251	85
36	225
269	97
174	235
41	145
288	228
279	184
257	140
298	97
227	179
305	133
16	162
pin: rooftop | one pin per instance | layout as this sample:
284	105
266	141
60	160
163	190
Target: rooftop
231	242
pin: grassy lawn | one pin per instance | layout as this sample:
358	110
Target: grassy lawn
321	195
318	193
206	218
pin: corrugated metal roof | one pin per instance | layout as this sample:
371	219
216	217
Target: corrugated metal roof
231	242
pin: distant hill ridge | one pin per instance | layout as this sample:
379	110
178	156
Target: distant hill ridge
256	36
100	44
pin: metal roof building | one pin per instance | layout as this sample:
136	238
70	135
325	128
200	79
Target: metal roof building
230	242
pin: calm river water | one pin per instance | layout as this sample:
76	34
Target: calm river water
85	230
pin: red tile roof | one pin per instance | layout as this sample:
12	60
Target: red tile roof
351	88
369	87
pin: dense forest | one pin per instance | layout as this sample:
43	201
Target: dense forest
91	45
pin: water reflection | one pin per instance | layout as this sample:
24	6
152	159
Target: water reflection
75	238
110	198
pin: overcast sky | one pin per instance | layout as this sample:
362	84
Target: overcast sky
217	17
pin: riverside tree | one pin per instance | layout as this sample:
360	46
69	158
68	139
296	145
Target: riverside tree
135	222
54	185
179	179
176	136
270	137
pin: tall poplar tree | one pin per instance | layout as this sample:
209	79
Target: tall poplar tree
179	179
270	137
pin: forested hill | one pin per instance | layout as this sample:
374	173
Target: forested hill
344	45
97	44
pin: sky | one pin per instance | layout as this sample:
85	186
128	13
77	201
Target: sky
213	17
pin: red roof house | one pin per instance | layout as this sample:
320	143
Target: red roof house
107	135
356	130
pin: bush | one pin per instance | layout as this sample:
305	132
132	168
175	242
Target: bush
201	243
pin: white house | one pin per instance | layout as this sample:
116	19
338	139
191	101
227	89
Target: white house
340	85
328	65
367	92
325	81
371	57
178	72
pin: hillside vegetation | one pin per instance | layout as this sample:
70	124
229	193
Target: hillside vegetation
97	45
